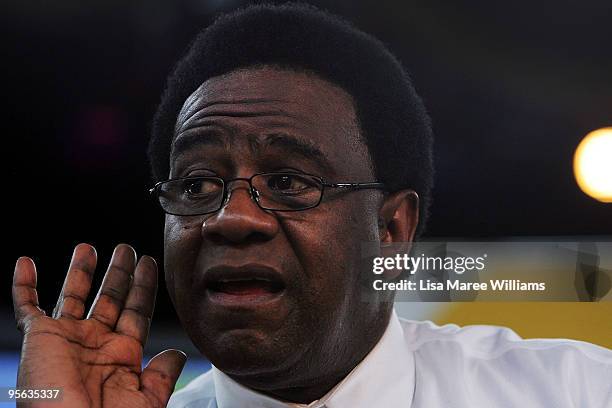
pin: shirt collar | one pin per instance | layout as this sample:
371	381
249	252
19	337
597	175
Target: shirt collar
384	378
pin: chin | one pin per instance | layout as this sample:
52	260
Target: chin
245	352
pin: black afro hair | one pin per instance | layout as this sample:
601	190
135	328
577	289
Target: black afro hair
392	117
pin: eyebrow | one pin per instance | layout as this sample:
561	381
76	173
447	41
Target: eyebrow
301	147
192	140
291	143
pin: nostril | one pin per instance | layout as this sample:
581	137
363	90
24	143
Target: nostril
236	239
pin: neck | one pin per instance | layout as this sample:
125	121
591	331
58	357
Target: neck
305	394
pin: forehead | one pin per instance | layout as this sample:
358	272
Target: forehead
254	102
301	94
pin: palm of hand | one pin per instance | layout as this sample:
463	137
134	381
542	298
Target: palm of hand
95	361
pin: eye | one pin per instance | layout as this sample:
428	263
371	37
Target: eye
198	187
288	183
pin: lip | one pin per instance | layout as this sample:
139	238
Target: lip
253	285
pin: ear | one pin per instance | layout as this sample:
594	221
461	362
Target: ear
398	217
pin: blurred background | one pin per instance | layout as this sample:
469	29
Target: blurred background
512	87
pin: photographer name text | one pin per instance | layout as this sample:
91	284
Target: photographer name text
455	284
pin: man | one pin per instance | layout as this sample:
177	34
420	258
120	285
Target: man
286	139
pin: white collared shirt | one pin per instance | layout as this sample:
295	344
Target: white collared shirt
418	364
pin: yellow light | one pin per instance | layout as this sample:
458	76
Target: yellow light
593	164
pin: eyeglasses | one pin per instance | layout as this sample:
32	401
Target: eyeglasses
271	191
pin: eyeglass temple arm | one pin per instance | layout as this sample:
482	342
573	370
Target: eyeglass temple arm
153	189
357	186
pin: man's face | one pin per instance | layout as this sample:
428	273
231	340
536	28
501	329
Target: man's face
311	319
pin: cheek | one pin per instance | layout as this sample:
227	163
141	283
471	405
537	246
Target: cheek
328	244
182	240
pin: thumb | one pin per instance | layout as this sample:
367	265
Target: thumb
160	375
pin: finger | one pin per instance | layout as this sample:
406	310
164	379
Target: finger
136	315
160	375
25	298
115	286
71	302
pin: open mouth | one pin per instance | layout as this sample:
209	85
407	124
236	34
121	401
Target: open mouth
244	284
243	287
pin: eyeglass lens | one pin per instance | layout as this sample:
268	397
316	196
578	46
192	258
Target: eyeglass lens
275	191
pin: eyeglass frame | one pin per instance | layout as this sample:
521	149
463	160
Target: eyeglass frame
254	193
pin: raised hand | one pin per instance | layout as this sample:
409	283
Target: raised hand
96	360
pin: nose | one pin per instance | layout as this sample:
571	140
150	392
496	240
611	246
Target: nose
240	220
